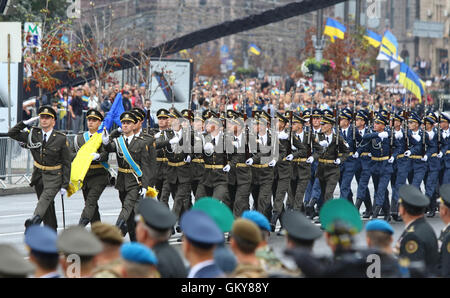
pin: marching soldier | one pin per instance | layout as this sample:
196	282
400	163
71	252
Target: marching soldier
304	156
330	156
52	162
445	148
197	163
97	177
348	168
444	238
416	152
215	178
418	241
133	178
240	175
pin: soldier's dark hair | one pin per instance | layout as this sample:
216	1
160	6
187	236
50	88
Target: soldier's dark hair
46	261
308	244
247	247
413	210
379	239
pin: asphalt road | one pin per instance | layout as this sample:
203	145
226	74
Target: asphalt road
15	209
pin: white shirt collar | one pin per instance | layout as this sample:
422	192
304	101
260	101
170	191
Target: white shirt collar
130	138
48	133
198	267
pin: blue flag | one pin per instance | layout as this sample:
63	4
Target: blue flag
113	115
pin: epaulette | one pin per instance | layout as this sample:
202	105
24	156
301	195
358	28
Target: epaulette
410	230
59	132
36	127
139	137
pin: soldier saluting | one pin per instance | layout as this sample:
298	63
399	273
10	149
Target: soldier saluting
52	161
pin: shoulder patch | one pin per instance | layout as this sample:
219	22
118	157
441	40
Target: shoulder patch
448	247
410	230
67	143
411	246
59	132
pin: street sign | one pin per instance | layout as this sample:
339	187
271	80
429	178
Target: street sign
428	29
32	35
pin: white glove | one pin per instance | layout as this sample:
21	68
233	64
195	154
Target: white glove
31	120
272	163
95	156
249	161
289	157
383	135
119	129
417	138
235	144
105	138
391	160
323	143
226	168
440	154
310	160
424	158
355	155
63	191
407	153
398	134
187	159
157	135
208	147
283	136
369	154
293	148
143	191
337	161
174	140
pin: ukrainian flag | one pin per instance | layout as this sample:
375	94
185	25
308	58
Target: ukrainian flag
389	44
373	38
254	49
409	79
334	29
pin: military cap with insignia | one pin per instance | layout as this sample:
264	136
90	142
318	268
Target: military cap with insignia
198	116
140	114
430	117
296	118
258	218
262	116
380	119
207	114
156	215
213	118
307	114
77	240
162	113
187	114
316	113
410	195
41	239
342	211
246	230
327	117
218	211
299	227
200	228
414	118
282	118
12	263
346	113
128	116
47	110
398	117
174	113
379	225
444	190
445	116
93	113
138	253
383	113
107	233
362	114
231	114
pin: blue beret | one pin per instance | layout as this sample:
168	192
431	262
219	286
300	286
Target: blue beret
258	218
42	239
199	227
379	225
138	253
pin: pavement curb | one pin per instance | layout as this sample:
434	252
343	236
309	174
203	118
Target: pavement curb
16	190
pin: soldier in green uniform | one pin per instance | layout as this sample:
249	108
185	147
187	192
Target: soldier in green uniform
444	238
240	175
330	157
215	178
97	177
282	171
418	242
133	178
263	162
52	161
197	163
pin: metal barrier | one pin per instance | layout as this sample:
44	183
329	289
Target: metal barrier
17	162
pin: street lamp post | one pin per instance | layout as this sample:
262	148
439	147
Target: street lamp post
318	42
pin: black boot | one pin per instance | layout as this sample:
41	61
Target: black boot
122	226
394	212
273	221
83	222
35	220
376	212
310	208
387	215
368	212
358	204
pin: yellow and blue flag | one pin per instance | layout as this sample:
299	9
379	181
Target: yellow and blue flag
373	38
409	79
114	113
334	29
389	49
254	49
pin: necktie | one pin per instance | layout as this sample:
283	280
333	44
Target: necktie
128	142
345	134
45	139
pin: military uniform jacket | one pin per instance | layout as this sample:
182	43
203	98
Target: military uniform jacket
444	239
283	168
170	264
151	145
178	170
263	155
445	149
240	173
434	163
55	152
98	168
330	153
139	152
197	163
218	159
418	243
301	168
161	154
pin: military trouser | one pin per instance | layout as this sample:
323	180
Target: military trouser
328	176
163	188
346	177
262	194
282	188
219	191
298	190
46	205
241	195
403	169
129	200
419	169
92	189
181	198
